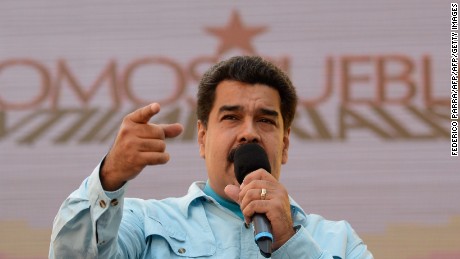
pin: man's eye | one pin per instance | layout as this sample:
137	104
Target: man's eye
229	117
269	121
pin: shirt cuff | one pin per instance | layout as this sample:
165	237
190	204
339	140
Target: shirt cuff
301	245
100	199
98	185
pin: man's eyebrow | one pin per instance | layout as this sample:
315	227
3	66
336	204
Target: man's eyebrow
230	108
269	112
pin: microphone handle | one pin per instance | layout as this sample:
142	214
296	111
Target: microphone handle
263	234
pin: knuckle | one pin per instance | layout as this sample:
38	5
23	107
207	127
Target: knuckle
125	130
144	146
127	118
255	195
158	132
241	196
252	205
161	146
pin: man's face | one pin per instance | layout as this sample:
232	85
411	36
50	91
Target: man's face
242	113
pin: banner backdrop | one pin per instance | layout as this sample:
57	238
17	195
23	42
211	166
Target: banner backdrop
371	142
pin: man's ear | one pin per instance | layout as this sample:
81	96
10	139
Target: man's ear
284	158
201	137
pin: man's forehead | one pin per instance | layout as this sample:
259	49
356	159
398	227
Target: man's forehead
235	92
272	111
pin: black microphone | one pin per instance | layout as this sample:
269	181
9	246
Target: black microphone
248	158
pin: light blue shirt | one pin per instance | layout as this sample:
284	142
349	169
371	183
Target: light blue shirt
232	206
93	223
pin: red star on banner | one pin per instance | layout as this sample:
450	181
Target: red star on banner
235	35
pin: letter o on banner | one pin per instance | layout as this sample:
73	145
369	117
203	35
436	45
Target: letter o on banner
44	87
179	75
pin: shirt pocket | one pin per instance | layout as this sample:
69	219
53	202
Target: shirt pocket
181	243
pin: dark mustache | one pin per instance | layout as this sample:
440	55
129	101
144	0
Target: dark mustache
231	154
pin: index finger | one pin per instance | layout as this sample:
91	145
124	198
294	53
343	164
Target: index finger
143	115
259	174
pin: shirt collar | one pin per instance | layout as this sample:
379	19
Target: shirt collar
295	207
195	191
232	206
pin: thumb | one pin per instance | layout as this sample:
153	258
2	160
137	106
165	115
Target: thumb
172	130
232	192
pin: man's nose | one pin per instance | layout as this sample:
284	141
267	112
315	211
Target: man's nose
249	133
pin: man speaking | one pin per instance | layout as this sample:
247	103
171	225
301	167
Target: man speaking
245	108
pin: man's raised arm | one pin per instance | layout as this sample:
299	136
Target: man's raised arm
88	222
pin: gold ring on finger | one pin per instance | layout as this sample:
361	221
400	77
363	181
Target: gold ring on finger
263	193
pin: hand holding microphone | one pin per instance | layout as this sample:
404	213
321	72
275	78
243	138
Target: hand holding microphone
248	158
262	198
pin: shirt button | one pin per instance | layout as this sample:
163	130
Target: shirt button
114	202
181	250
102	204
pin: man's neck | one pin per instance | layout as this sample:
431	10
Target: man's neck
230	205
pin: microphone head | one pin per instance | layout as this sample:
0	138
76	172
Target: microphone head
248	158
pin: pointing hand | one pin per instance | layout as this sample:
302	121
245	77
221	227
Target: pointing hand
138	144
